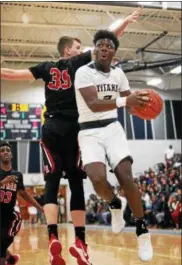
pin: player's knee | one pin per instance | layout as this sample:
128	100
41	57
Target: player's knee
96	173
51	190
97	179
77	201
124	174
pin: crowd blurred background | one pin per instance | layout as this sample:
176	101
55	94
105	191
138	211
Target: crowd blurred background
160	189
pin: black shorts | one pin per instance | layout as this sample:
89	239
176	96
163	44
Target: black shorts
60	148
10	226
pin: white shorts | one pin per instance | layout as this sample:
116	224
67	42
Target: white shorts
99	144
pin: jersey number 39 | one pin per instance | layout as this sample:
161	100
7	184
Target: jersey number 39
60	79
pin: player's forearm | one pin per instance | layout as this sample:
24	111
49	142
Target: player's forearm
11	74
28	198
102	105
7	74
119	31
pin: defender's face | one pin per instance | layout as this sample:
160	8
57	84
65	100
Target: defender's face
5	154
105	51
75	49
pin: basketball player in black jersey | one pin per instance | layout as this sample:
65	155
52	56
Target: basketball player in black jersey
59	138
11	182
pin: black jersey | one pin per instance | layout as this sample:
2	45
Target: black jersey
59	80
8	192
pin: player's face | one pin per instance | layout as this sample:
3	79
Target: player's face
75	49
5	154
105	51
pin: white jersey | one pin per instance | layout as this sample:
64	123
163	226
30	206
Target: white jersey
108	86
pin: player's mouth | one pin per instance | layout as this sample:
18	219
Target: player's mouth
6	156
104	56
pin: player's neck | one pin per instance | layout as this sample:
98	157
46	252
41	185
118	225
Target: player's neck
64	57
102	68
6	166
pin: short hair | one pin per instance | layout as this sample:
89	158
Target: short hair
106	34
5	144
66	41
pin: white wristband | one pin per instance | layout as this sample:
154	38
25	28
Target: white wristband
121	102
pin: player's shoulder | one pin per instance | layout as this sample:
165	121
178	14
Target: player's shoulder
16	173
50	64
63	62
117	69
45	66
86	68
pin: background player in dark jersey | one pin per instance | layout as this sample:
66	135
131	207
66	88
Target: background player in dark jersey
59	137
11	182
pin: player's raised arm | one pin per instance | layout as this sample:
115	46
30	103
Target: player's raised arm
12	74
119	30
127	20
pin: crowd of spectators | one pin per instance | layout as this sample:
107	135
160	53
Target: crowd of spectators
160	190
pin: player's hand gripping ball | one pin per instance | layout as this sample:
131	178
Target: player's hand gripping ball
151	109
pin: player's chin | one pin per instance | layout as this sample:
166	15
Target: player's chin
6	159
103	60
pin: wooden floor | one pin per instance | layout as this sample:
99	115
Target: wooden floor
105	247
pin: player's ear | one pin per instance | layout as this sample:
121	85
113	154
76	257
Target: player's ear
67	51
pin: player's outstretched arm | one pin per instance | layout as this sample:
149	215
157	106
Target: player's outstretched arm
11	74
127	20
119	31
28	198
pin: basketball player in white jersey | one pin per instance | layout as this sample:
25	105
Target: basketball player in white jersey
101	89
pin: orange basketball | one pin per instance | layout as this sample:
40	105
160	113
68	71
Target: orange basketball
152	109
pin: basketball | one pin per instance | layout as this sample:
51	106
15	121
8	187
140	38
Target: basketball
152	109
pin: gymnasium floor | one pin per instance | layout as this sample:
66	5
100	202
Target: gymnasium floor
105	247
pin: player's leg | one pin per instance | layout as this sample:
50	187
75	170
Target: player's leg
5	255
11	259
94	162
70	156
121	161
12	231
3	248
52	175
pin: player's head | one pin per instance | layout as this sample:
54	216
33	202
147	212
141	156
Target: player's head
5	152
69	47
106	45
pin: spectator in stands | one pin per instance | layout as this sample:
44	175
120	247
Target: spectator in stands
120	194
175	211
91	209
169	155
61	209
147	199
40	215
90	216
32	211
104	214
